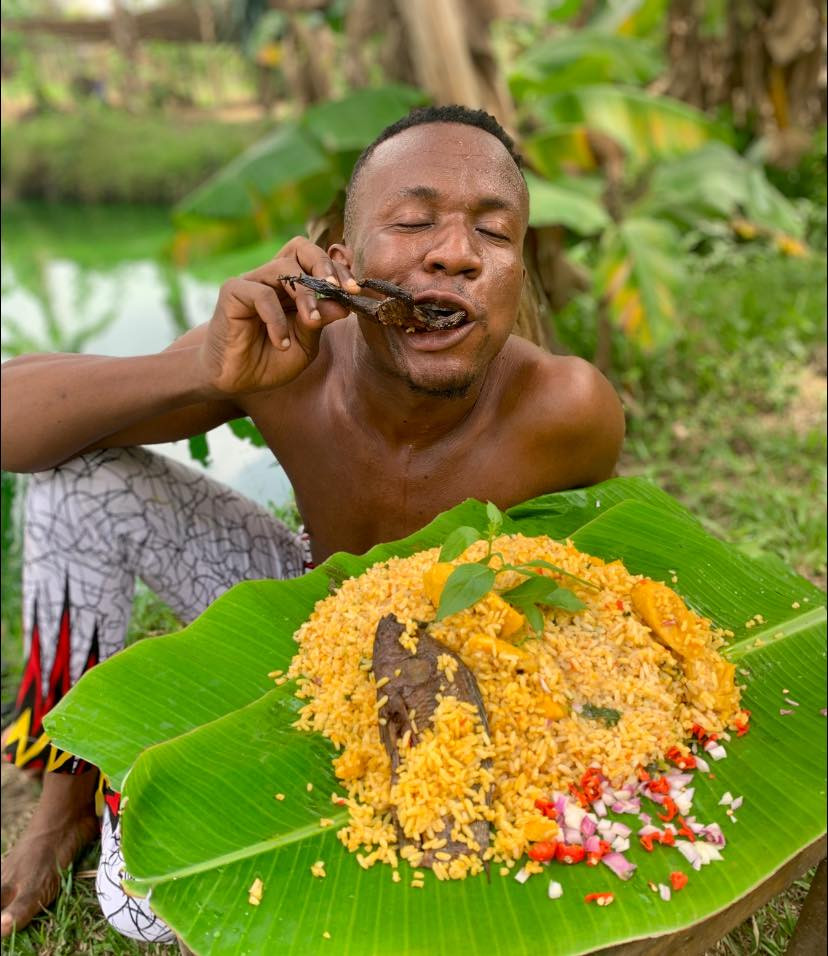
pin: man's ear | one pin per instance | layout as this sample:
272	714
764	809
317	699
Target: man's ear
341	254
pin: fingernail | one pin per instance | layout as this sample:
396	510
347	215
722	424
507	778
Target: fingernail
332	279
285	343
315	316
353	285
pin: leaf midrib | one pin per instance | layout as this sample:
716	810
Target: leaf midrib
146	883
773	633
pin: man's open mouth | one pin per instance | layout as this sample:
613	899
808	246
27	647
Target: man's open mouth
429	312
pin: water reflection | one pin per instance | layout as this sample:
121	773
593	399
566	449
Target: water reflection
51	302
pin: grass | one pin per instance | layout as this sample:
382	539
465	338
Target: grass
730	420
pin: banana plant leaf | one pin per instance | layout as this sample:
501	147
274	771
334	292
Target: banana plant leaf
648	127
193	730
637	275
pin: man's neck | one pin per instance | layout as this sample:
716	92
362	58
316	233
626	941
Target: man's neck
402	414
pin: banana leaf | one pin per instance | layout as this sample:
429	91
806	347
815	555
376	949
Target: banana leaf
193	730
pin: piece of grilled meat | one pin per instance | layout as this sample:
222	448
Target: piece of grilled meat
415	688
398	308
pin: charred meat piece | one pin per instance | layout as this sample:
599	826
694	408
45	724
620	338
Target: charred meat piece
415	688
397	308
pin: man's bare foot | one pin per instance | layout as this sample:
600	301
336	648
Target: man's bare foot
63	823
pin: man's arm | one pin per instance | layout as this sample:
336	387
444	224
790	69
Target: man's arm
262	335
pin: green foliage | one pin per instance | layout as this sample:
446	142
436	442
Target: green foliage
103	155
469	583
236	729
291	175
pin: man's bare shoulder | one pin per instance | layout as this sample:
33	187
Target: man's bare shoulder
570	411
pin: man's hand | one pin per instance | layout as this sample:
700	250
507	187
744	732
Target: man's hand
263	333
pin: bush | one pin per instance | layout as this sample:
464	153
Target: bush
103	155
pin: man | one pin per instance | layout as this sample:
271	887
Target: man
378	429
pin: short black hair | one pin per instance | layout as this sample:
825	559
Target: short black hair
420	116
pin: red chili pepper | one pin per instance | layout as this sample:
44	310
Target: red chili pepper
602	899
643	776
660	785
681	760
648	839
594	857
620	605
744	727
569	853
591	784
684	830
668	838
547	808
671	808
579	795
678	879
698	732
543	851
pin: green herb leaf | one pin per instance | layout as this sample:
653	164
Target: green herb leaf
457	542
537	589
465	586
607	714
495	516
554	567
534	616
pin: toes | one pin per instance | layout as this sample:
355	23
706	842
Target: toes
19	912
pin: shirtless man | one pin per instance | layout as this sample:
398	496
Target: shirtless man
378	430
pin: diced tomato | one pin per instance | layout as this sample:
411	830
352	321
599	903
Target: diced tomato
602	899
569	853
678	879
659	785
684	830
543	851
667	838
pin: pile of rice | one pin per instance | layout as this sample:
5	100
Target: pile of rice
604	656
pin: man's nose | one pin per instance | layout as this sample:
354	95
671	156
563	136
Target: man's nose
454	251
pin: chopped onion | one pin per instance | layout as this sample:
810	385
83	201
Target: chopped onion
684	800
727	799
572	835
702	765
793	703
619	865
737	802
678	780
605	826
713	834
644	817
633	805
573	816
555	890
620	829
600	808
664	892
690	853
592	844
621	844
717	752
647	829
588	825
522	875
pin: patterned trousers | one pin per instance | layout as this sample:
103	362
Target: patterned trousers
92	526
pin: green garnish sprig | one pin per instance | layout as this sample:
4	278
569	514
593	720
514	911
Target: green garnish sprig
469	583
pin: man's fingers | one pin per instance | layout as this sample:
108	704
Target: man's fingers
253	299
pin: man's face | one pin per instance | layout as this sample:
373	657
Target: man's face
441	210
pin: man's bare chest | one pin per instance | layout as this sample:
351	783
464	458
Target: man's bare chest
354	493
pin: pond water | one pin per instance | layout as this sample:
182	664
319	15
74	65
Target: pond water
97	280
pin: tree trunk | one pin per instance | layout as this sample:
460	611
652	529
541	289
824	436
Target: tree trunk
766	62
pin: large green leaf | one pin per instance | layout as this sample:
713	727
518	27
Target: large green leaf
205	742
556	204
716	182
648	127
581	58
637	277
